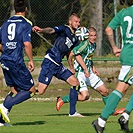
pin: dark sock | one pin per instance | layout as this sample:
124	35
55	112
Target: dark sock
8	98
73	100
19	98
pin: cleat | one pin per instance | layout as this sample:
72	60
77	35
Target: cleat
59	103
123	123
4	112
119	111
5	124
76	114
97	127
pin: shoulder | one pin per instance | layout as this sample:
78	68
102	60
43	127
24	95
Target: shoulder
28	21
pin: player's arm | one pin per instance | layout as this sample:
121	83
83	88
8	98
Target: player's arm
110	35
83	65
0	47
47	30
70	62
28	50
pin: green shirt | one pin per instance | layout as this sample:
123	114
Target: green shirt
124	20
86	50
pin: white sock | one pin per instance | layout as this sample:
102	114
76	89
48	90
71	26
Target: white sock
101	122
126	116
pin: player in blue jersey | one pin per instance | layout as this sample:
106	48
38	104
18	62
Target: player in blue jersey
15	36
52	63
124	19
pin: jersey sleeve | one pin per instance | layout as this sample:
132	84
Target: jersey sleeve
59	29
27	33
116	21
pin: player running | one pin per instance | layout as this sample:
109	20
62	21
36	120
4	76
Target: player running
15	35
52	63
124	19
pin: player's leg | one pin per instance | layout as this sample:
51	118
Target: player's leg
97	84
66	75
82	95
10	95
45	76
72	80
60	101
102	89
21	77
125	79
124	118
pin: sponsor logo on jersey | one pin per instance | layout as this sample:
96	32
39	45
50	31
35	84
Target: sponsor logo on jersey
68	42
11	45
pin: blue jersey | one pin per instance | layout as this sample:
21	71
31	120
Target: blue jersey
13	33
63	44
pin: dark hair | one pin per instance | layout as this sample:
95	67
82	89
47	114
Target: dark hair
20	5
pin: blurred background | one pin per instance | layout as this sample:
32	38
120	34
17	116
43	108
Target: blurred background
49	13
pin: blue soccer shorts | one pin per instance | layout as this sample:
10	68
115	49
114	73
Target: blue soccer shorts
50	69
17	75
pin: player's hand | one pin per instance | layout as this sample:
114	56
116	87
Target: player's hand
116	51
87	74
31	66
37	29
95	71
72	70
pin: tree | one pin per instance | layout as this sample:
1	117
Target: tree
91	15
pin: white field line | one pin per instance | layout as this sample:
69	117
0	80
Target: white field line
54	99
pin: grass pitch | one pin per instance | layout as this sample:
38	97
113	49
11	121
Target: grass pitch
42	117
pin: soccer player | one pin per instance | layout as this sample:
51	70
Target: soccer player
52	63
15	36
86	50
124	19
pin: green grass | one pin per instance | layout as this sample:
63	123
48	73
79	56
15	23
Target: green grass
42	117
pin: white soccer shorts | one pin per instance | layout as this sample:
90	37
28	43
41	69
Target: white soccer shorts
93	81
126	74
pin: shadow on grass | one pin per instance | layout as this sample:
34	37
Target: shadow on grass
85	114
29	123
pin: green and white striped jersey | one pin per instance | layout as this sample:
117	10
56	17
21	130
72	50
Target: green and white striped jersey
86	50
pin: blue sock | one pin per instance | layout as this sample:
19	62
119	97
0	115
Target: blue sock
19	98
8	98
73	100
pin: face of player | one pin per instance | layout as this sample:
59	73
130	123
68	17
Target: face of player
92	36
74	22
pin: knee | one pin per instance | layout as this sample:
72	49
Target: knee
87	97
40	92
105	92
75	83
84	97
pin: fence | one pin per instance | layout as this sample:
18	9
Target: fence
50	13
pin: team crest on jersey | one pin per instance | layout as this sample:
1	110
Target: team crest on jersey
73	39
